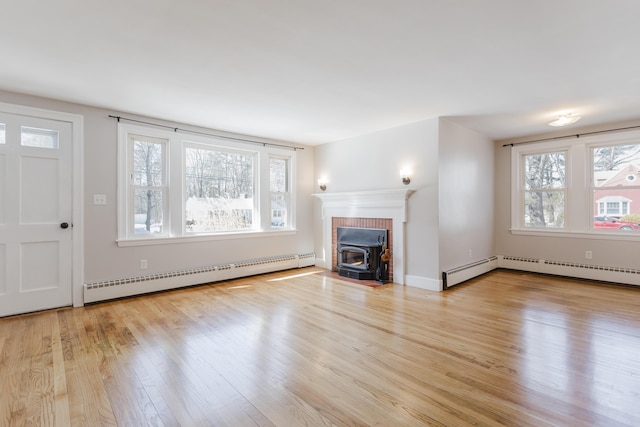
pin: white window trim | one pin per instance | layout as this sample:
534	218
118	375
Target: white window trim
288	193
130	187
175	155
579	201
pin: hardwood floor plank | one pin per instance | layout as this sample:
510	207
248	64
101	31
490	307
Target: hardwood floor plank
61	397
305	348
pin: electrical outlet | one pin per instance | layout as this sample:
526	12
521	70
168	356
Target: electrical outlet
470	253
588	255
143	264
99	199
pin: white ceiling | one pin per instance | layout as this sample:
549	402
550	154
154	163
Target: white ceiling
314	71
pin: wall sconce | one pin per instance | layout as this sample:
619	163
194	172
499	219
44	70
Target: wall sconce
322	183
405	173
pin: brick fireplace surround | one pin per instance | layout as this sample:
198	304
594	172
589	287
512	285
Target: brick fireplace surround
365	209
380	223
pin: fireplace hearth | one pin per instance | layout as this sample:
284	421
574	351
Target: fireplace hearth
362	253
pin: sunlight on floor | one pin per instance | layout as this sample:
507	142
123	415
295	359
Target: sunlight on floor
294	276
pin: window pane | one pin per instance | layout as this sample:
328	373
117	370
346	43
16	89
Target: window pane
544	209
42	138
544	171
613	208
617	165
616	186
278	175
147	163
147	207
3	130
279	205
219	190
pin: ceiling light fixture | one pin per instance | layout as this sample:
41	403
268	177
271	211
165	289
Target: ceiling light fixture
565	120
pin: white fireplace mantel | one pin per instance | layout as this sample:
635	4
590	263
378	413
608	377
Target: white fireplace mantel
367	204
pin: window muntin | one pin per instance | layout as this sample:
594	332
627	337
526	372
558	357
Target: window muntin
544	189
148	185
219	190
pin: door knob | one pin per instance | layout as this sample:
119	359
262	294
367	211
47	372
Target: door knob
64	225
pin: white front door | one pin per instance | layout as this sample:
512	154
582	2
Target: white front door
35	213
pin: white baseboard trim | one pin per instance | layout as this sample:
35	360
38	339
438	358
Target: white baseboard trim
321	263
603	273
463	273
102	291
423	283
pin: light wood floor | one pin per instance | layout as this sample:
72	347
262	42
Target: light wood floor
300	348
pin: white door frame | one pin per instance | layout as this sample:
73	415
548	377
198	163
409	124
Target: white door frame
77	164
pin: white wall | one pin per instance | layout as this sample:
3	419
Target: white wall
466	175
373	162
606	252
104	260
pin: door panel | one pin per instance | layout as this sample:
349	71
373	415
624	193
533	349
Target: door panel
39	190
35	198
37	275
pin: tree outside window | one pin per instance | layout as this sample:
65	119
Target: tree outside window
148	185
219	190
544	185
279	188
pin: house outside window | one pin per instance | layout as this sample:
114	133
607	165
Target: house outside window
616	191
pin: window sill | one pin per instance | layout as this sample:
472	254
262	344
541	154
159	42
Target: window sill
594	235
150	241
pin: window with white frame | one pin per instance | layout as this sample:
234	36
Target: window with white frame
584	185
147	192
543	189
279	189
183	186
616	192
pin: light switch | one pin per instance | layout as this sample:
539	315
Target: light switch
99	199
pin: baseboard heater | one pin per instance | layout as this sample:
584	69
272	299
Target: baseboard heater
627	276
112	289
463	273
